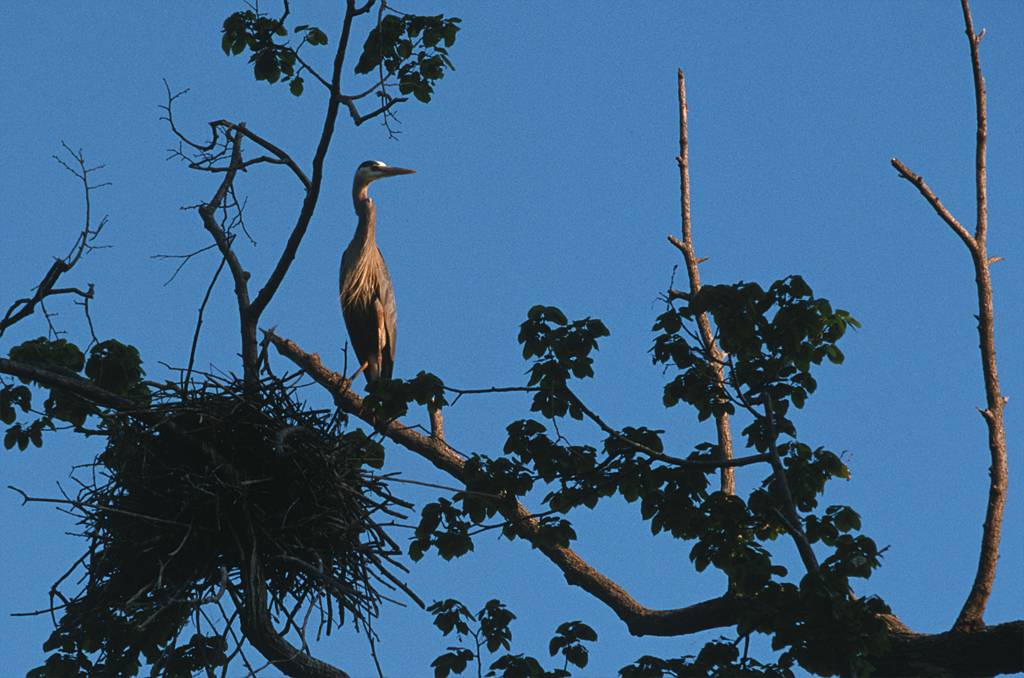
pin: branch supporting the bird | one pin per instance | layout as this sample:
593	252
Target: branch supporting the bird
640	620
972	615
693	273
994	647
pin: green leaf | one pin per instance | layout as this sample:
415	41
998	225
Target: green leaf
114	366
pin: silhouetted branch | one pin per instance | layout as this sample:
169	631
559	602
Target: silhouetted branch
641	620
252	314
84	243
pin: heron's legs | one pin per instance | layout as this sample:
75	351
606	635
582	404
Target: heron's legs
359	371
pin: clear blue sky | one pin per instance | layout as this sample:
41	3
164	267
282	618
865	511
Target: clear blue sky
546	174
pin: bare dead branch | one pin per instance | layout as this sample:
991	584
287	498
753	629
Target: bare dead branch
693	272
84	243
238	274
184	260
383	108
279	154
935	202
972	615
199	324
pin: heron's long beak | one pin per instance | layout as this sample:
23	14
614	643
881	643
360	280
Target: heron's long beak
395	171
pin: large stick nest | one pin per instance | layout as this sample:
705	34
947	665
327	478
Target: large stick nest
183	497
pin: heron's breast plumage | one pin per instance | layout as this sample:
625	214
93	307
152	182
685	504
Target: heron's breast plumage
363	275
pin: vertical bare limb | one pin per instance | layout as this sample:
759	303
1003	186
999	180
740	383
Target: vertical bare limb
693	272
973	612
199	325
241	277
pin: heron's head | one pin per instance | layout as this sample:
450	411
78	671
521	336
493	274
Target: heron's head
371	170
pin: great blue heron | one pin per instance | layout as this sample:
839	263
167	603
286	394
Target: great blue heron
365	289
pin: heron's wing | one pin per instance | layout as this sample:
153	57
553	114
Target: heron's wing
389	314
360	321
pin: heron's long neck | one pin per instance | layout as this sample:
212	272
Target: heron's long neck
367	213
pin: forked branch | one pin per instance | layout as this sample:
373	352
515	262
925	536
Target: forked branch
972	615
84	243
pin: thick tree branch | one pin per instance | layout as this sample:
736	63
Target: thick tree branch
69	382
639	619
259	630
985	651
693	272
989	646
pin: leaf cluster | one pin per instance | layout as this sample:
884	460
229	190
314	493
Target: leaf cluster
774	339
489	629
111	365
271	60
411	48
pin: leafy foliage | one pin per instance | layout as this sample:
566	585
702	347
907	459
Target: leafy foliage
409	47
775	338
272	61
489	629
111	365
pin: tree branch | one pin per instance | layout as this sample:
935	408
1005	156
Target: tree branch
973	612
936	204
22	308
238	274
989	650
640	620
985	651
282	157
726	463
259	629
383	108
693	272
252	314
